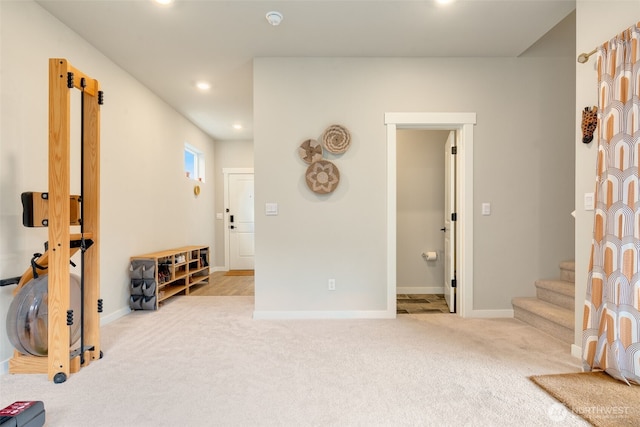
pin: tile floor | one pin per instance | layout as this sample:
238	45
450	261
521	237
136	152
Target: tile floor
421	303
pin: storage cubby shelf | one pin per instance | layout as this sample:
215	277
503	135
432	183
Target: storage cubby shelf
160	275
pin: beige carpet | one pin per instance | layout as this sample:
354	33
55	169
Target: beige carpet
239	273
204	361
596	396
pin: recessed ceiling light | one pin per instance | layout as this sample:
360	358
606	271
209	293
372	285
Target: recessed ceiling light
203	85
274	18
237	126
163	2
444	1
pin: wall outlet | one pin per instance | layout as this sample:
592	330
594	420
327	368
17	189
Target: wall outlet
331	285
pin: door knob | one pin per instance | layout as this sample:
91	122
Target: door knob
232	227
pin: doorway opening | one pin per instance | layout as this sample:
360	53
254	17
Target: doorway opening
462	124
425	201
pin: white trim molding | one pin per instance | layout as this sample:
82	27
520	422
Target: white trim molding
105	320
576	351
463	124
315	314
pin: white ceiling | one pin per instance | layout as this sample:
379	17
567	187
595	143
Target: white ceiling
169	48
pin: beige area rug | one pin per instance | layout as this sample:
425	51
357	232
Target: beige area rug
239	273
595	396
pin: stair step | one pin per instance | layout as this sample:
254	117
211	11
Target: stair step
550	318
568	271
558	292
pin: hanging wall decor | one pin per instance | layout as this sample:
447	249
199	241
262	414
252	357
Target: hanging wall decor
336	139
310	151
322	177
589	123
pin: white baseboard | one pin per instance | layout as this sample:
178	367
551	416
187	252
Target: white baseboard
490	314
410	290
365	314
576	351
219	268
314	314
114	316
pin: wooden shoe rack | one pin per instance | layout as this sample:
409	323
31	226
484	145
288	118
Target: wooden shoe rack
168	273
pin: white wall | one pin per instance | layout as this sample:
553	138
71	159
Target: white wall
147	203
523	165
420	209
596	23
228	154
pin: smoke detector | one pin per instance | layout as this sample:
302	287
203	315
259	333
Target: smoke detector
274	18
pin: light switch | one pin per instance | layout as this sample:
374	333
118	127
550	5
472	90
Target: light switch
486	208
589	201
271	209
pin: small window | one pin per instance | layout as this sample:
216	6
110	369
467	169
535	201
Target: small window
193	163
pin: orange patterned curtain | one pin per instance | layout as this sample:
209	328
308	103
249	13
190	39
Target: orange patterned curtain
611	337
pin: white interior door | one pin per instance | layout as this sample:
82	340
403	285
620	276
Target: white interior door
240	221
449	225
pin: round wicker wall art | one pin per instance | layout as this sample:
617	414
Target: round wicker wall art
322	177
310	151
336	139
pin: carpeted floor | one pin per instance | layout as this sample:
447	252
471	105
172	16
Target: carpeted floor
595	396
204	361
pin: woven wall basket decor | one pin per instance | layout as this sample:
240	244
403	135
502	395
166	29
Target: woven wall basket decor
322	177
310	151
336	139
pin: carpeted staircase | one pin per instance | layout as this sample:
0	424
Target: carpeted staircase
552	310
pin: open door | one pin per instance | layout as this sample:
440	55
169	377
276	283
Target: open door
449	222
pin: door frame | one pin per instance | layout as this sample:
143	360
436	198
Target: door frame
226	172
449	230
463	123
